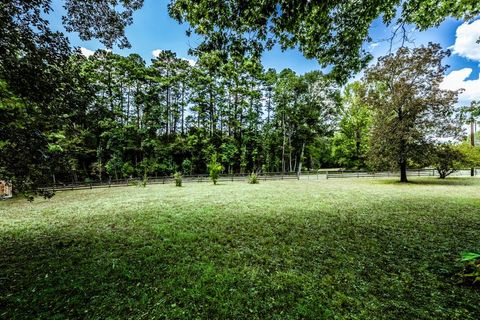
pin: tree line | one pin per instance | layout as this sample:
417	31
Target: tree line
137	119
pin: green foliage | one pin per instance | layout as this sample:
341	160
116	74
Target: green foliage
177	176
333	32
214	168
187	166
114	166
127	170
63	114
471	272
471	154
253	178
446	159
43	92
403	130
351	142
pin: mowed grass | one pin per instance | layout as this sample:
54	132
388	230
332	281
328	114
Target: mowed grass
327	249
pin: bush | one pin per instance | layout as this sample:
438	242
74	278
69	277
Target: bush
187	166
471	272
214	168
178	179
127	169
447	159
253	178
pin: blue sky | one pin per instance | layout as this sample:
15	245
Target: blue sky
153	29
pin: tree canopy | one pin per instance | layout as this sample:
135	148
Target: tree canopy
331	31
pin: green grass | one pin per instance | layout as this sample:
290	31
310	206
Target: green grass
333	249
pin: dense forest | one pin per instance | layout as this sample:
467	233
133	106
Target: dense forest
169	116
134	119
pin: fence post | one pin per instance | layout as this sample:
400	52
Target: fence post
327	174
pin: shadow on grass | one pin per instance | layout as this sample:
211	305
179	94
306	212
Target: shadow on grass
313	265
449	181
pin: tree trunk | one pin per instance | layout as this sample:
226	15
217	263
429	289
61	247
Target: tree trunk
283	145
403	171
183	109
300	161
290	152
472	142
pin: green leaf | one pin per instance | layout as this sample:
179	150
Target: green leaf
469	256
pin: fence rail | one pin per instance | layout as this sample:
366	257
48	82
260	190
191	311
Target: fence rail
267	176
169	179
410	173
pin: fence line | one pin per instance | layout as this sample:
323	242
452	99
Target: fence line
410	173
266	176
169	179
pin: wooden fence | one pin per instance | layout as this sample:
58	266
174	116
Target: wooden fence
410	173
243	177
198	178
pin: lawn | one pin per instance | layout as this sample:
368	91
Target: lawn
332	249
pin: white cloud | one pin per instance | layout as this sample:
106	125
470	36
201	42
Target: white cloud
466	44
457	80
190	62
86	52
373	45
156	52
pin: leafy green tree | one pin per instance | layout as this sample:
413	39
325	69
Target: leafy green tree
471	154
447	159
350	143
39	82
409	109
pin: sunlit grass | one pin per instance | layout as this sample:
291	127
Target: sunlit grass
346	248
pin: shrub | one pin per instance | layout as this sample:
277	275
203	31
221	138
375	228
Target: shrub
215	168
178	179
447	159
471	272
127	169
253	178
187	166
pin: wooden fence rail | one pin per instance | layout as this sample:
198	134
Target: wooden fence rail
267	176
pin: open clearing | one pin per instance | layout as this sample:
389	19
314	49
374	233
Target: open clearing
352	248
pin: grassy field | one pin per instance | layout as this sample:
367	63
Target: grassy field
336	249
